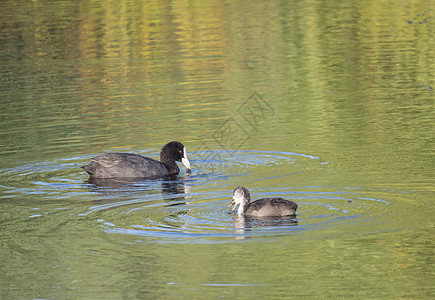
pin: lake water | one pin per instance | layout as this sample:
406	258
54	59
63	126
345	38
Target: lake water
327	104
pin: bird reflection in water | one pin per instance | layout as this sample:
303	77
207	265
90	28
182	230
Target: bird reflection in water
170	188
245	224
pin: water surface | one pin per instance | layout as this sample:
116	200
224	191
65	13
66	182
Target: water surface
326	104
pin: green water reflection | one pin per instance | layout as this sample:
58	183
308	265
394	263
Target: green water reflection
349	83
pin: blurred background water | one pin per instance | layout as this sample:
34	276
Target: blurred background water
328	104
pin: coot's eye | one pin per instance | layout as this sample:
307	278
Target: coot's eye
181	152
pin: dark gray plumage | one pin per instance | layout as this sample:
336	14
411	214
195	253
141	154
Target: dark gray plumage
128	165
265	207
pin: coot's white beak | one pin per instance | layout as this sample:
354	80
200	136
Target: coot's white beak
184	159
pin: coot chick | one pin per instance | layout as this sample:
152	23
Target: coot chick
129	165
265	207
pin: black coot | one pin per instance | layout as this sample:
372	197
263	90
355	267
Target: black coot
265	207
128	165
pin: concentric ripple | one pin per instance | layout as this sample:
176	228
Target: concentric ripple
194	207
205	218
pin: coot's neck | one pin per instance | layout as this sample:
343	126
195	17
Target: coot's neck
170	164
242	207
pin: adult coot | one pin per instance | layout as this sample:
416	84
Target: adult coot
265	207
124	165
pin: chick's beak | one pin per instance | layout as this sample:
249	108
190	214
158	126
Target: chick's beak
184	159
232	203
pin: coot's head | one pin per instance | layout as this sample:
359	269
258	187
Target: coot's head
241	196
174	151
